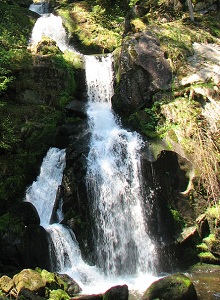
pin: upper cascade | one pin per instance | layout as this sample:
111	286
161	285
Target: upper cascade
41	8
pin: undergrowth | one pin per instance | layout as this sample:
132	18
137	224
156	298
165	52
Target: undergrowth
93	27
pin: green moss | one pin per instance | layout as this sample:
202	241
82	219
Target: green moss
177	217
202	247
15	28
73	59
58	295
9	223
61	63
207	256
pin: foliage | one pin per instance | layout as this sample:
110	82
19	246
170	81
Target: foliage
15	28
8	137
29	131
59	295
8	222
191	131
94	28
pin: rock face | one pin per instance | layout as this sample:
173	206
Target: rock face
175	287
26	212
23	242
42	82
142	70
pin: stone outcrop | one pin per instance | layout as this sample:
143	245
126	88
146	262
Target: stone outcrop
177	286
23	243
141	70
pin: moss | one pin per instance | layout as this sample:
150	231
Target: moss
94	28
12	224
207	257
202	247
58	295
177	218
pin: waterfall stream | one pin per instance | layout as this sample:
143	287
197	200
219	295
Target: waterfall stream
124	252
114	181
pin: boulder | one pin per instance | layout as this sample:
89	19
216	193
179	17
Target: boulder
6	284
119	292
175	287
11	243
26	212
141	70
51	280
72	286
30	280
35	248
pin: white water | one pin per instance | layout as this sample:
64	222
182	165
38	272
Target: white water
51	26
42	192
114	182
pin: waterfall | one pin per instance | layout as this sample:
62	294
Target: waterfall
123	246
51	26
124	251
64	250
42	192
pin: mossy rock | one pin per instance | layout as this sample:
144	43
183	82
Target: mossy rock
50	280
59	295
31	280
175	287
6	283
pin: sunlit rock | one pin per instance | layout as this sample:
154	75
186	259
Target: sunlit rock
177	286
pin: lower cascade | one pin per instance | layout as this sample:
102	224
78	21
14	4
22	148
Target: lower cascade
114	181
124	252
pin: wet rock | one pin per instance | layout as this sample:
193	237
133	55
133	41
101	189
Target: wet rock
119	292
27	294
72	286
35	247
175	287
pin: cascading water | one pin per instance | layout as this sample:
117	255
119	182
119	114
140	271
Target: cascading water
114	181
42	193
64	249
123	249
51	26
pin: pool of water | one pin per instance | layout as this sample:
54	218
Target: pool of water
206	279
